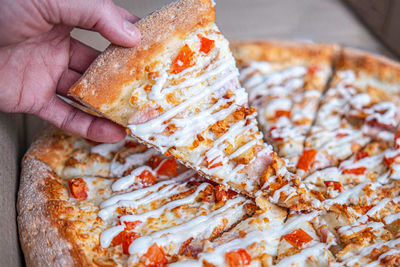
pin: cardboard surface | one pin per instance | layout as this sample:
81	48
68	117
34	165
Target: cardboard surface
11	146
317	20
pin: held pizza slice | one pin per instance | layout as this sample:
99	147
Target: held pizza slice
285	82
179	92
362	104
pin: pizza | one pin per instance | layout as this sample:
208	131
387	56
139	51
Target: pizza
126	204
179	92
361	104
195	182
285	82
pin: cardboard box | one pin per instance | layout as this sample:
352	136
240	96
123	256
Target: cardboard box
382	17
317	20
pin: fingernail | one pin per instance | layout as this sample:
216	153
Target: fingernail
131	30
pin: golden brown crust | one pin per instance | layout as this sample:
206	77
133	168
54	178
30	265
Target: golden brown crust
284	51
102	87
41	198
375	65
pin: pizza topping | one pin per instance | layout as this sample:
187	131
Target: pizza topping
307	159
340	135
335	185
361	155
183	60
147	178
390	160
78	188
298	238
222	195
356	171
206	45
238	258
280	113
125	238
154	161
154	257
168	168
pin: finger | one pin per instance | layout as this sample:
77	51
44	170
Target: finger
75	121
68	78
102	16
127	15
81	55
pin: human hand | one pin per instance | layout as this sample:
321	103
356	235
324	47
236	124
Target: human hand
39	59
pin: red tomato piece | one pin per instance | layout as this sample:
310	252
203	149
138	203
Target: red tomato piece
340	135
280	113
206	45
131	225
78	188
298	238
147	178
154	161
154	257
238	258
168	168
390	161
307	159
220	193
218	164
336	185
125	238
356	171
183	60
313	69
361	155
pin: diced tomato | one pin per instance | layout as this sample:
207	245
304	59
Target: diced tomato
298	238
273	136
280	113
397	140
125	238
312	69
206	45
307	159
131	225
218	164
390	161
78	188
222	194
154	161
238	258
336	185
147	178
361	155
356	171
168	168
340	135
183	60
231	193
154	257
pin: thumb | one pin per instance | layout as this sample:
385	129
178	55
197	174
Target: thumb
103	16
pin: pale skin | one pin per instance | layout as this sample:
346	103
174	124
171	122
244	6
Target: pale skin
40	60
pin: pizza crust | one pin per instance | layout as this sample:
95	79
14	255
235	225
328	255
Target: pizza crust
284	51
40	197
375	65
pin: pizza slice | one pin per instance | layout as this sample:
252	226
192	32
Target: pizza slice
179	92
362	104
285	82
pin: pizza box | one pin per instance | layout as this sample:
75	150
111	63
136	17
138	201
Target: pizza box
318	20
